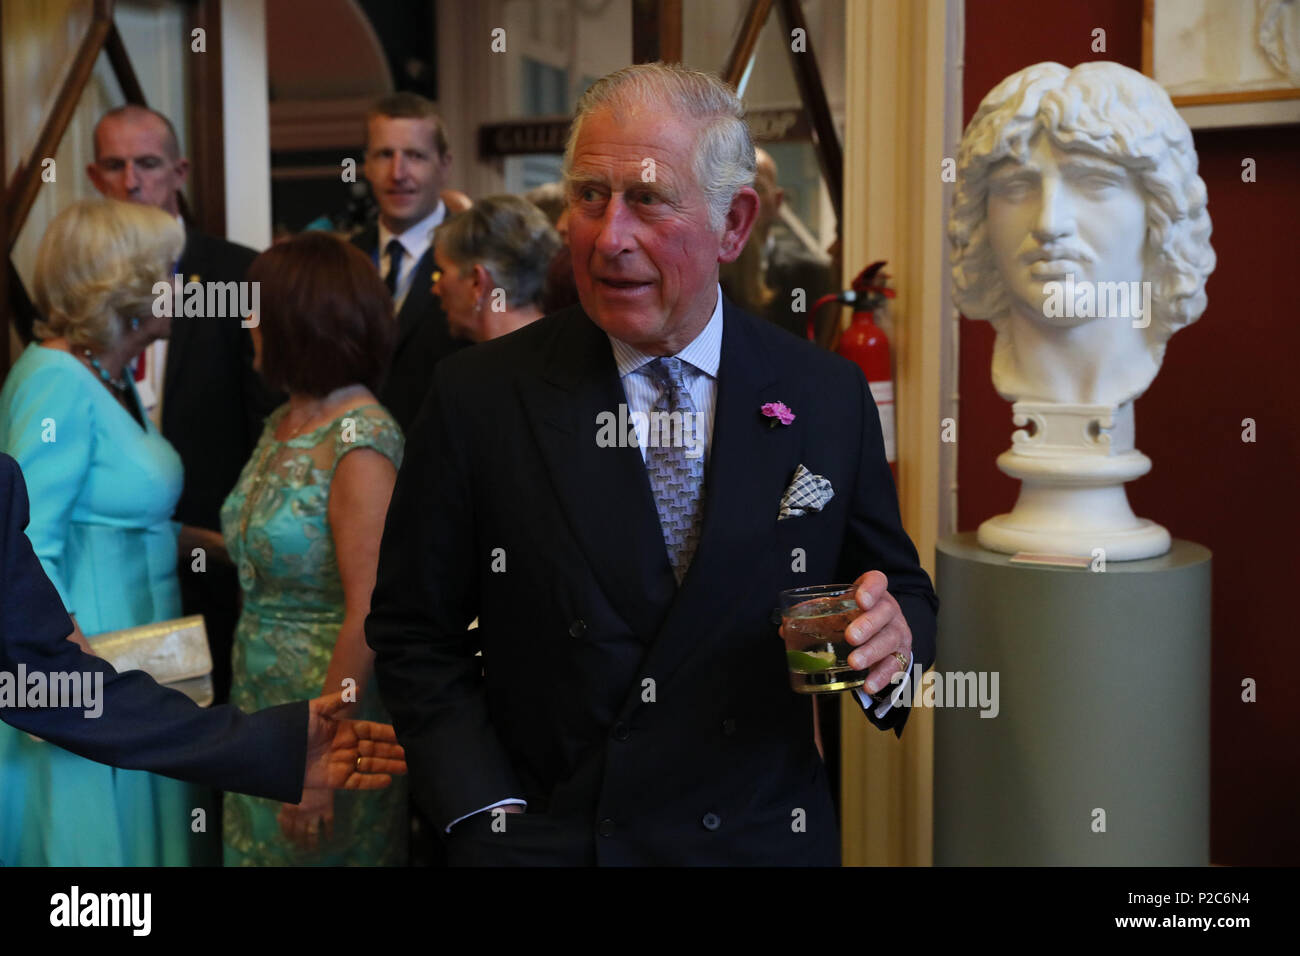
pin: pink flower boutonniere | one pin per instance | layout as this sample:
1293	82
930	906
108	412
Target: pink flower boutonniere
777	412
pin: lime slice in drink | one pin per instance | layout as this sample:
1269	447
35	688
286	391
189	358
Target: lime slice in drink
806	662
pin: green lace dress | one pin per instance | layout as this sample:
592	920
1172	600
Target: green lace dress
277	530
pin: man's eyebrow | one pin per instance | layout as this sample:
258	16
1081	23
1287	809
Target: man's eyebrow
114	157
577	181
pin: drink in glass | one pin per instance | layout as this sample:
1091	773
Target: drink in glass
817	651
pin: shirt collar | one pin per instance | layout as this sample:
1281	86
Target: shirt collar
415	240
703	352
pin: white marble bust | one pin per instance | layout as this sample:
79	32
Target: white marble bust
1077	192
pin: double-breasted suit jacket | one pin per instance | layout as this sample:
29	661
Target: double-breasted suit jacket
642	721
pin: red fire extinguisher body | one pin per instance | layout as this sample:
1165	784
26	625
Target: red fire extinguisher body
864	343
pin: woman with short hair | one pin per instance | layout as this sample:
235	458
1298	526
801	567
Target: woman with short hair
491	266
303	527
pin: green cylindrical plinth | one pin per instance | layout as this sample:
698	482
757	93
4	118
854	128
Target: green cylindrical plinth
1103	705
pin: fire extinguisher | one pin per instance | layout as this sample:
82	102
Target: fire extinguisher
864	343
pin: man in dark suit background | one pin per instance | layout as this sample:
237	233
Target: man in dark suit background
787	265
407	165
631	704
199	385
142	726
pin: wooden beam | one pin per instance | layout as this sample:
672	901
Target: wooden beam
808	78
656	31
746	42
207	131
118	59
20	196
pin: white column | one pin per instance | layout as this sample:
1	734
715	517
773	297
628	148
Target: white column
471	89
246	139
902	109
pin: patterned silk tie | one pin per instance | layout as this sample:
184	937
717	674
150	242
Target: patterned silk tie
676	477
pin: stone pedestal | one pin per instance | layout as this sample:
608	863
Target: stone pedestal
1103	706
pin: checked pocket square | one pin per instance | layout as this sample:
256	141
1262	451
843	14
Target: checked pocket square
807	493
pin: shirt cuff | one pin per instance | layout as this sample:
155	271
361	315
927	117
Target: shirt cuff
904	685
488	807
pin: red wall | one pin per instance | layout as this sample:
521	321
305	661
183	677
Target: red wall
1238	361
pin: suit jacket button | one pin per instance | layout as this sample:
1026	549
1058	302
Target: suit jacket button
729	726
578	628
621	731
606	827
711	821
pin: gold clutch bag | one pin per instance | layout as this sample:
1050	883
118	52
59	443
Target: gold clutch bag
175	653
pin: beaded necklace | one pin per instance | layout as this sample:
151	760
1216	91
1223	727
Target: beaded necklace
118	385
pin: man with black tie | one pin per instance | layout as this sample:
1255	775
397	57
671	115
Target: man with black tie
407	164
631	704
199	385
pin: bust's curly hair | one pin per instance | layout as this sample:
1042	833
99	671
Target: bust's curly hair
96	268
1114	112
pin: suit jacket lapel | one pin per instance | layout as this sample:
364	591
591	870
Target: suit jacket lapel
420	301
749	468
604	491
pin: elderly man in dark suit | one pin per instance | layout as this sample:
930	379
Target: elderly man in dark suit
407	164
631	704
199	384
139	725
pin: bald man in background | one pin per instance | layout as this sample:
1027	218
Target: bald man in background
786	264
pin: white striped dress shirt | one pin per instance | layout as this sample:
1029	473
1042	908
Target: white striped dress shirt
699	372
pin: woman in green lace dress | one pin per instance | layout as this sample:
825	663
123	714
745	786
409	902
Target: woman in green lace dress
303	527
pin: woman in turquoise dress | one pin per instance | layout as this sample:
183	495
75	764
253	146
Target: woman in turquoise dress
303	526
102	482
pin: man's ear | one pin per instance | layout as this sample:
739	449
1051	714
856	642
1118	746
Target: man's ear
182	170
741	216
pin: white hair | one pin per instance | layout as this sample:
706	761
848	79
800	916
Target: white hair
1114	112
724	156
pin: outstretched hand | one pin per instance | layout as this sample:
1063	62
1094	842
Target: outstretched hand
349	754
